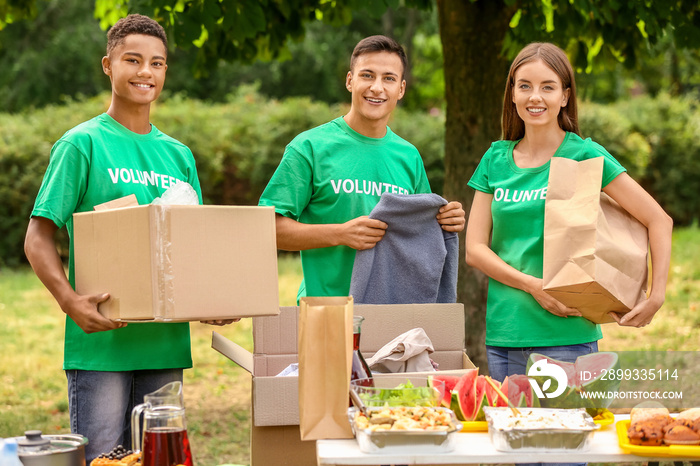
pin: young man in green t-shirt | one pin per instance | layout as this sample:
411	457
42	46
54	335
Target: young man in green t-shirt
109	365
332	176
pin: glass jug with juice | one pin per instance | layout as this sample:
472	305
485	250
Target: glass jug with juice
164	441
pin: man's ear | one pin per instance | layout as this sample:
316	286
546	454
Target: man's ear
107	66
348	81
403	89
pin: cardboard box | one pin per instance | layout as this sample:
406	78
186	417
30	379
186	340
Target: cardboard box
178	263
275	400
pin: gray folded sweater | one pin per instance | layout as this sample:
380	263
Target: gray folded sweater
416	260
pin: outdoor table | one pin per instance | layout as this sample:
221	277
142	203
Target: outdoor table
476	448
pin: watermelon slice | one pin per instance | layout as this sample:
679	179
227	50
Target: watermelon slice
463	401
491	395
481	398
450	383
519	391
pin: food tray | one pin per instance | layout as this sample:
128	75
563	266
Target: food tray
405	442
544	439
661	450
604	419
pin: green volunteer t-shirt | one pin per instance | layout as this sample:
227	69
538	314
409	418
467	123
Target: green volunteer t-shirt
332	174
513	317
95	162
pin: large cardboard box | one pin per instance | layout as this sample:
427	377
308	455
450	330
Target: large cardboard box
178	263
275	437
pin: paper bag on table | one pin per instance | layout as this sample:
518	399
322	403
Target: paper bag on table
325	358
595	252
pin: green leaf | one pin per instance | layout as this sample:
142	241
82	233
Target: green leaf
548	11
515	20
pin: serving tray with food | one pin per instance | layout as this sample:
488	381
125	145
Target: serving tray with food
653	431
539	429
404	429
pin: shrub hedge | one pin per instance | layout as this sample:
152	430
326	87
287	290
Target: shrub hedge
238	144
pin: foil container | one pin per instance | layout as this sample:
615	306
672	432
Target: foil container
573	430
405	442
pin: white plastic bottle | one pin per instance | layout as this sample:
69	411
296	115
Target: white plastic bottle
8	453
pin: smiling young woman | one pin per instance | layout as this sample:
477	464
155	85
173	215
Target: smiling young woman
505	233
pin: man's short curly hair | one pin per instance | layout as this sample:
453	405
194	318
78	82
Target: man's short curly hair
134	24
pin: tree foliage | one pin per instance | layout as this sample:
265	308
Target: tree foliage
243	30
56	56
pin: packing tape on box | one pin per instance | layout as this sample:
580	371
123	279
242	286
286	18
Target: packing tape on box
163	264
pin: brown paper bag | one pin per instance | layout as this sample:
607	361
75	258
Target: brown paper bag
595	252
325	358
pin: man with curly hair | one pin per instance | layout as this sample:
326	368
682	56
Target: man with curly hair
110	366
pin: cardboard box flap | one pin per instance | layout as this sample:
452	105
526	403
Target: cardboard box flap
443	323
126	201
277	334
275	401
234	352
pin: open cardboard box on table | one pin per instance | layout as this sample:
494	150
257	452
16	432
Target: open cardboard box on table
275	437
177	262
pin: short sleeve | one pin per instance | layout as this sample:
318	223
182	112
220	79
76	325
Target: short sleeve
480	178
611	167
193	177
422	183
64	183
290	188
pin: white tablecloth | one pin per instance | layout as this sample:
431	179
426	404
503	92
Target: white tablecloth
476	447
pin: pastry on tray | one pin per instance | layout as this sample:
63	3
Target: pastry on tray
647	422
681	435
647	433
690	418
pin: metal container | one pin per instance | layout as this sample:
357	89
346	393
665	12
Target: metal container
35	449
405	442
534	430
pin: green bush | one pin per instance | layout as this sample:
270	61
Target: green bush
658	140
672	127
607	126
25	143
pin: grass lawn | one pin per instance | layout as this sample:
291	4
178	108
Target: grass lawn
217	391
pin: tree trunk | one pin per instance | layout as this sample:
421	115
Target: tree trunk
472	35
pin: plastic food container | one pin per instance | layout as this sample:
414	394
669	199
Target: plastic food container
399	391
406	442
540	429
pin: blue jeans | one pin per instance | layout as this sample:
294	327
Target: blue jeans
100	404
505	361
